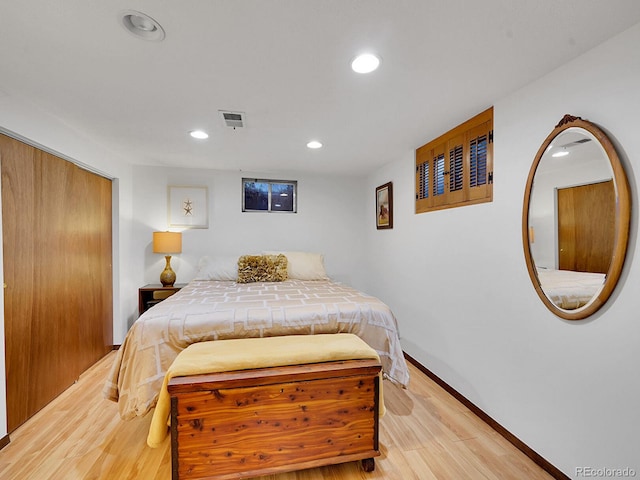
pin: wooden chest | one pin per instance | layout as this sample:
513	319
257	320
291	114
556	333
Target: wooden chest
257	422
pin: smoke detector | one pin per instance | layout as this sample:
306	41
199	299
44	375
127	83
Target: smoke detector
232	119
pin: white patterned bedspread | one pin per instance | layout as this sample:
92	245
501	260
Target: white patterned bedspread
568	289
216	310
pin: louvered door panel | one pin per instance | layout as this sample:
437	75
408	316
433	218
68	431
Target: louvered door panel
439	180
456	172
455	169
424	173
480	162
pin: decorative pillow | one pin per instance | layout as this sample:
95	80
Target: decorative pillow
262	268
305	265
218	268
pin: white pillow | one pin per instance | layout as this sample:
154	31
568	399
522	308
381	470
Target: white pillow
218	268
304	265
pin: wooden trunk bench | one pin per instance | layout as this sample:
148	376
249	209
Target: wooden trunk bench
248	423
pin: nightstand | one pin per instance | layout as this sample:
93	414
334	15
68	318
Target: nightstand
154	293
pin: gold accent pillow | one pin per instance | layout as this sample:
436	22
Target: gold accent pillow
262	268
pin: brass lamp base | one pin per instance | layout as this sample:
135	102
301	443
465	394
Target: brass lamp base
168	276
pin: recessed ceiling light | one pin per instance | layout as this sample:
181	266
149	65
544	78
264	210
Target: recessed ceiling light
561	153
141	25
314	144
199	134
365	63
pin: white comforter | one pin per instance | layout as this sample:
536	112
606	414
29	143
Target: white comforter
568	289
216	310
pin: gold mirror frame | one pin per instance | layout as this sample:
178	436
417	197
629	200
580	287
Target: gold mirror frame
622	221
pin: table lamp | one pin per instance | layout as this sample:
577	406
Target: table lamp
167	242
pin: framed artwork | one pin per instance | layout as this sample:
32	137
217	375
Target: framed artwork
384	206
187	207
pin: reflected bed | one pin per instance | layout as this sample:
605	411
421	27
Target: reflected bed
570	290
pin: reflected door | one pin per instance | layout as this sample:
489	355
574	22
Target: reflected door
586	227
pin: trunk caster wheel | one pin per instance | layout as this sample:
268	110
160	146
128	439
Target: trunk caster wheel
368	464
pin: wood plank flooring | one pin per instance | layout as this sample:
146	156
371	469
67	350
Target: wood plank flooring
425	434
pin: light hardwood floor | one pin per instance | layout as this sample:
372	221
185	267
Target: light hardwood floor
425	434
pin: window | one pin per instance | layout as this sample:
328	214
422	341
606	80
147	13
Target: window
456	168
269	195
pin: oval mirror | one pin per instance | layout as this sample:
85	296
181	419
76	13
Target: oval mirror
575	221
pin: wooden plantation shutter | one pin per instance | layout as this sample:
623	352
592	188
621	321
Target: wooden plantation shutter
423	181
455	175
481	162
438	176
457	168
431	187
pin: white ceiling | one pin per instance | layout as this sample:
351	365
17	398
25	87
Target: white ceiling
285	63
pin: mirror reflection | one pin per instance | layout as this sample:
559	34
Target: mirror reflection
572	218
576	216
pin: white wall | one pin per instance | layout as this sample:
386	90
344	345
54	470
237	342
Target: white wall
569	390
330	220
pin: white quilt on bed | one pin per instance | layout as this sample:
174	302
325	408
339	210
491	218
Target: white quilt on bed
215	310
570	290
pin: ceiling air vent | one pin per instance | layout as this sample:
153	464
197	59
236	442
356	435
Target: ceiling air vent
233	119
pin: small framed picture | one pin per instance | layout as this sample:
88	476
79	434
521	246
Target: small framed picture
384	206
187	207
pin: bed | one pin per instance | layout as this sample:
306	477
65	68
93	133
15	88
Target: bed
570	290
207	310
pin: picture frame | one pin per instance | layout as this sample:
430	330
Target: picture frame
187	207
384	206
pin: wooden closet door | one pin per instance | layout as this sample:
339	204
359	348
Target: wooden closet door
93	279
56	221
586	227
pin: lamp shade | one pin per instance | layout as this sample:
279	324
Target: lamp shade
167	242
